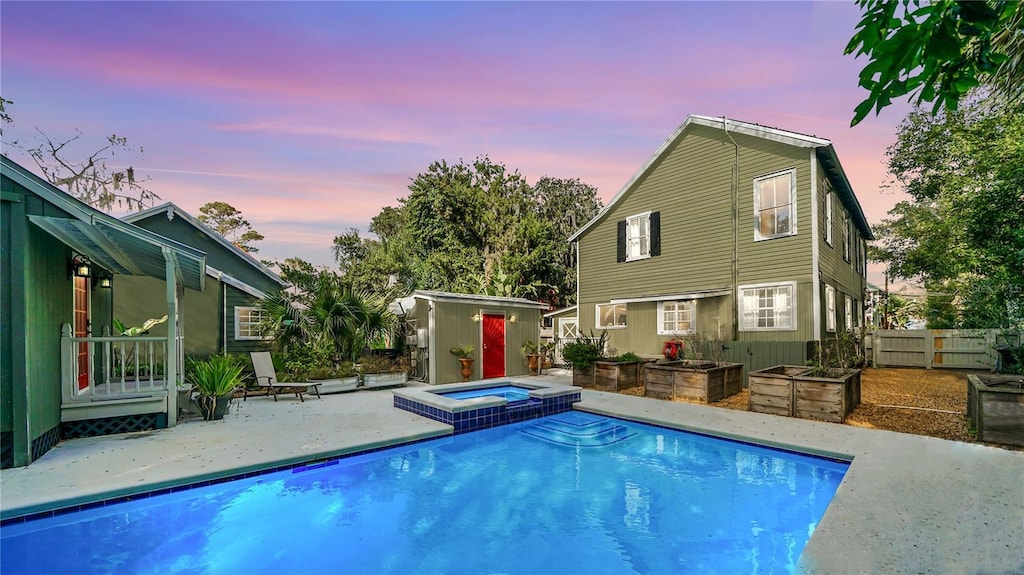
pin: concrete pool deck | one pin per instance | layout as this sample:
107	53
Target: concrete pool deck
908	504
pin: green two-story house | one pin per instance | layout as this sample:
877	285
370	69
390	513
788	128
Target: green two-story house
731	230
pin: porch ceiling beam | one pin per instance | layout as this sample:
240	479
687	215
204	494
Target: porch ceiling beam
112	249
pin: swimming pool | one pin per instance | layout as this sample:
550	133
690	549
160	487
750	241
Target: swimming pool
569	493
509	392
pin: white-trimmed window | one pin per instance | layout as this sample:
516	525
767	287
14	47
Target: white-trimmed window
676	317
611	315
848	313
828	214
768	307
774	205
247	323
830	308
846	237
638	236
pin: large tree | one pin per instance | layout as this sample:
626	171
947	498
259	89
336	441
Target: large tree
228	222
939	51
960	233
474	228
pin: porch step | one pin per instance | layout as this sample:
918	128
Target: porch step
573	430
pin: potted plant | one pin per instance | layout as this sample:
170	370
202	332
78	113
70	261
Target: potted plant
382	371
546	351
531	351
214	380
465	357
698	371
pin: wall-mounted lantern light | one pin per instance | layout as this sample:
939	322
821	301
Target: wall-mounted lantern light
81	266
476	317
511	319
106	281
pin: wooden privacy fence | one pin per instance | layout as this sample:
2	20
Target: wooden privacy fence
946	348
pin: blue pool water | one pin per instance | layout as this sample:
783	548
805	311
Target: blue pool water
569	493
509	392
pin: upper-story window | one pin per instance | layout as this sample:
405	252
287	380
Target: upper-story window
675	317
247	323
639	237
828	214
846	237
611	315
775	205
768	307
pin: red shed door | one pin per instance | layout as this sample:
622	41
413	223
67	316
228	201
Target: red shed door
494	346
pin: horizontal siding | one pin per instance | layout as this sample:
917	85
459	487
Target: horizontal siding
835	270
691	187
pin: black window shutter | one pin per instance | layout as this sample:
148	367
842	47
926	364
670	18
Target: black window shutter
622	242
655	234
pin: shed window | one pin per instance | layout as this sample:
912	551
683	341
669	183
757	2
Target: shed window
247	323
611	315
768	307
774	205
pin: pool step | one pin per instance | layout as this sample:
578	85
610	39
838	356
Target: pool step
579	432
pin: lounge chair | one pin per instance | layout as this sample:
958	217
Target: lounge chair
266	378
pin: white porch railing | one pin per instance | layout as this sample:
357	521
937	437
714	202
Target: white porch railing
119	367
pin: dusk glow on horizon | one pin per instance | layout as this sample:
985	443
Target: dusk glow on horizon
309	117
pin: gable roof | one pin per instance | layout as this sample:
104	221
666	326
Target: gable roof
824	151
117	246
170	210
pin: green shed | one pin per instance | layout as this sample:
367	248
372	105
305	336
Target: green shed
496	327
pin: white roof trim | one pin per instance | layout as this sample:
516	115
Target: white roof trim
171	210
560	311
723	123
677	296
482	299
234	282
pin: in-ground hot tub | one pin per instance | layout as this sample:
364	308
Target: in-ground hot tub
482	404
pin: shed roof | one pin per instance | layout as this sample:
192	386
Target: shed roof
117	246
824	151
442	296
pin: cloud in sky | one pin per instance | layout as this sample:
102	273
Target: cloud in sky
309	117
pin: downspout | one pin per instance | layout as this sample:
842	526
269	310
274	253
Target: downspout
815	255
735	183
224	318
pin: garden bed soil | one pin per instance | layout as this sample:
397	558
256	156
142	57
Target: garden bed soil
905	400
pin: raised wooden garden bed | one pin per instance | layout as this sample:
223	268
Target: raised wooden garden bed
995	406
830	397
791	391
609	376
699	380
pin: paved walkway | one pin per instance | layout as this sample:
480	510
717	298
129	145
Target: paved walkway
908	504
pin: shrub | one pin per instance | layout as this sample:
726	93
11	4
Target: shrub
583	351
628	357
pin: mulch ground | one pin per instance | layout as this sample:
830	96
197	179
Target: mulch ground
922	402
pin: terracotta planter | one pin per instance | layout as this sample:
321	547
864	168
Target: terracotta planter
467	368
533	362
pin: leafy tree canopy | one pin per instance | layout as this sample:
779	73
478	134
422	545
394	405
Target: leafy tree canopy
474	228
939	51
228	222
960	233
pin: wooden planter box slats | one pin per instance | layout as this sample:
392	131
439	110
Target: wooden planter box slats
702	381
790	390
995	406
609	376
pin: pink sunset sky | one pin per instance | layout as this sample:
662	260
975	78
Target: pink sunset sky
310	117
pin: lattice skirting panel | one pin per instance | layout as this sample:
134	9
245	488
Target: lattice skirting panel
109	425
6	449
45	442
